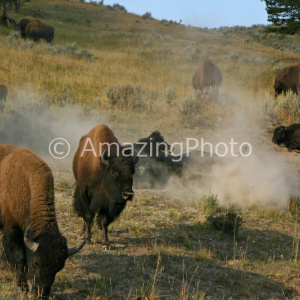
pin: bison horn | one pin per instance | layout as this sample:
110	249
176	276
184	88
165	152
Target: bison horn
103	159
31	245
74	250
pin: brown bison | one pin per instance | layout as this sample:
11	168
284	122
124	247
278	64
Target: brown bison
287	79
207	75
37	30
104	177
289	136
31	238
3	95
23	23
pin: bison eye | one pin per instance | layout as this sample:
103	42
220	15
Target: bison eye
114	173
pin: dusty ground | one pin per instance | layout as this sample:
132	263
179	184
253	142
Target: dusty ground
165	249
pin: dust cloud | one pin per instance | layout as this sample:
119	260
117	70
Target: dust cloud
264	178
29	122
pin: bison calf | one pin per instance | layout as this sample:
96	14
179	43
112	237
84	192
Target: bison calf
289	136
104	178
31	239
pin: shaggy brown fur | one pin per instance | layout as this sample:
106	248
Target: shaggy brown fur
207	75
37	30
27	198
102	189
288	79
23	24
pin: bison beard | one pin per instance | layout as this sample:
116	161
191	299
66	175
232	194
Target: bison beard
31	238
103	184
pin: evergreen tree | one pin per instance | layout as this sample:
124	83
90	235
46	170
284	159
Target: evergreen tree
284	15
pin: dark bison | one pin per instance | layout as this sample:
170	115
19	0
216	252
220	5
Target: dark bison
207	75
287	79
104	179
289	136
3	95
156	165
31	238
36	30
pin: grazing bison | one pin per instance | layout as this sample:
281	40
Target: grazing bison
31	238
3	96
207	75
36	30
103	184
289	136
287	79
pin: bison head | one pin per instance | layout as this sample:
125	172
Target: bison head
156	142
118	174
279	135
45	257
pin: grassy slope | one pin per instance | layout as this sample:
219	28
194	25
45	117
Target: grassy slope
193	260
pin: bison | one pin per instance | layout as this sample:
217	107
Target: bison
104	178
287	79
156	165
207	75
3	96
289	136
31	238
36	30
23	24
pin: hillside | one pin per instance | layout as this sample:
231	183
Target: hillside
135	75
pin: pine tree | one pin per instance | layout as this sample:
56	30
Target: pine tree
284	15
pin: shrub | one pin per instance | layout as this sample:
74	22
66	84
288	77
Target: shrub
119	7
147	15
125	96
229	223
209	204
170	95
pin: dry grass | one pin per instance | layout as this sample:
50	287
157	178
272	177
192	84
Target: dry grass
165	249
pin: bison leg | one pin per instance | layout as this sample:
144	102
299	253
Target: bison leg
88	221
103	224
15	252
81	205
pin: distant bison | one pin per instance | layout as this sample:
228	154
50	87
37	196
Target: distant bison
103	184
289	136
23	24
287	79
31	239
3	95
36	30
207	75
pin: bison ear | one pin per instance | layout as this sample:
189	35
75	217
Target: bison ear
104	158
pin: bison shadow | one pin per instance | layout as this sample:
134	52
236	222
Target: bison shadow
117	274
